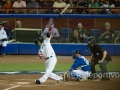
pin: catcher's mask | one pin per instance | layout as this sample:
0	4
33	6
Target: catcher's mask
40	40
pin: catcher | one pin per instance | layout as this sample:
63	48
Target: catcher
80	68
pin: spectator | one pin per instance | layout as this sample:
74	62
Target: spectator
7	5
74	38
1	10
107	34
46	3
54	31
82	32
117	5
58	4
19	4
117	37
18	24
32	4
108	4
81	4
72	4
100	3
93	4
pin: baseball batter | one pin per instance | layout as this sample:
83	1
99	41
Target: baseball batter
80	68
47	51
4	35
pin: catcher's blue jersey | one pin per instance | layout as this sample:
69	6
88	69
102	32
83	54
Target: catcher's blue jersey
81	62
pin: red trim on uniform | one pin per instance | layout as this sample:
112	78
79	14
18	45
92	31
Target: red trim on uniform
50	29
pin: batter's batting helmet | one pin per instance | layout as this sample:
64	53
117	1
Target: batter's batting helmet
40	40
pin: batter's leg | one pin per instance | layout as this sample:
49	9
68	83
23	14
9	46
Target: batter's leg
50	64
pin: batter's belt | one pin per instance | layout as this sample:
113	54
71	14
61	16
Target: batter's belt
48	57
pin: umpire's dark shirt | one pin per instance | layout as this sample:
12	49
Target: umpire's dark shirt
97	52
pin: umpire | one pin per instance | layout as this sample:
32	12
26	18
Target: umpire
99	56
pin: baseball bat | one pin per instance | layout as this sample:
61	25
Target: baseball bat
62	11
11	40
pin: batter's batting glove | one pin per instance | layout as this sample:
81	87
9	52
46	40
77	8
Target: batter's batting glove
40	56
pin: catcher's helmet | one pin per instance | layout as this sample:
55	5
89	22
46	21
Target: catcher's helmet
77	51
39	39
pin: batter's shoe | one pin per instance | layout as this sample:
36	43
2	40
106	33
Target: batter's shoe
37	82
58	81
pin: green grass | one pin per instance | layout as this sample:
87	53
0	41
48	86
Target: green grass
114	66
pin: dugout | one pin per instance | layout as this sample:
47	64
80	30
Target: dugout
26	35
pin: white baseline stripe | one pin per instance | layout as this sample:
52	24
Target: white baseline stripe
12	87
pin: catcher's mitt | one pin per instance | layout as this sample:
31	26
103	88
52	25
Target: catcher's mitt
66	76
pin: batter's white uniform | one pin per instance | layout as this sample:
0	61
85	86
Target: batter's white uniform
50	60
3	35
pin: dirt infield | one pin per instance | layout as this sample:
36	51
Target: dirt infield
26	81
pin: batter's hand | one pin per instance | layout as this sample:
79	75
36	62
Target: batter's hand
40	56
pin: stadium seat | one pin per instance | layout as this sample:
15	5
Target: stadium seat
65	32
95	32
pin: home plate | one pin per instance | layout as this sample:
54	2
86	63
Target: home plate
22	82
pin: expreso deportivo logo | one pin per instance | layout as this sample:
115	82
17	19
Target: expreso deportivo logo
110	75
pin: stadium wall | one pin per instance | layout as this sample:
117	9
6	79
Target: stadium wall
60	49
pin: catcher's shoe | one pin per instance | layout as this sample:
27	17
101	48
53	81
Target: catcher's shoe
83	80
37	82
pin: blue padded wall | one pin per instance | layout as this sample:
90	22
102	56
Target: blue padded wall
60	49
25	16
12	48
66	49
109	48
88	52
25	48
117	49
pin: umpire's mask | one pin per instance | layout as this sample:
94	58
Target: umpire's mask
89	42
